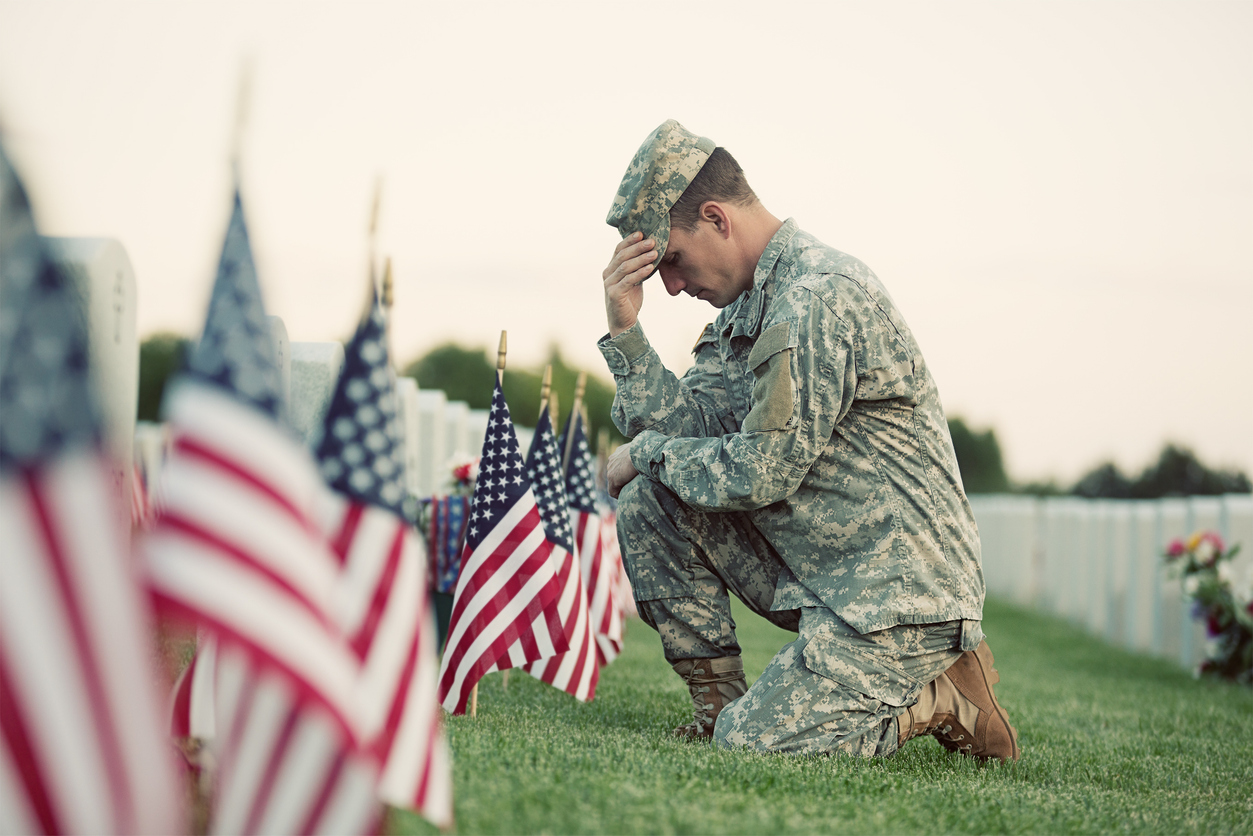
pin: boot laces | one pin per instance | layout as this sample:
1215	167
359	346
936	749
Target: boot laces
701	708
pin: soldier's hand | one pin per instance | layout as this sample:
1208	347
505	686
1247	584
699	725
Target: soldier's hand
631	264
620	469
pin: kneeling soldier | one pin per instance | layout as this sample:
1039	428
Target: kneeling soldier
804	464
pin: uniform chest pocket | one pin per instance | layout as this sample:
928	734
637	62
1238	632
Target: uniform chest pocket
775	396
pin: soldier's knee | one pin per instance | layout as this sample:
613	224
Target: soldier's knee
638	499
734	731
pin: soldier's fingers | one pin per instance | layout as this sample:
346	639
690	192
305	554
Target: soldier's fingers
628	250
631	240
636	277
634	265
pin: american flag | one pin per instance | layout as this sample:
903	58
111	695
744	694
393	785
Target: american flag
81	744
238	552
599	563
141	506
385	607
576	672
504	610
607	507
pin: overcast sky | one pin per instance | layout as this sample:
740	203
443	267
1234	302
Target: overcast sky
1059	196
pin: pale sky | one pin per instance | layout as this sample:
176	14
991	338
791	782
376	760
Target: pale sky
1059	196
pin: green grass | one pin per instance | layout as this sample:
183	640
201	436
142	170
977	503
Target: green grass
1111	742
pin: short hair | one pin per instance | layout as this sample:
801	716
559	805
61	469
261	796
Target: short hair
721	179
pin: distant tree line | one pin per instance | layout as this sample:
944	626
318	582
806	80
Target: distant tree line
468	374
1177	472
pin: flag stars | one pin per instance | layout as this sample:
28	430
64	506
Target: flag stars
364	432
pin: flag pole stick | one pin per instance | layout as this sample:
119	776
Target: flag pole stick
243	106
579	389
500	378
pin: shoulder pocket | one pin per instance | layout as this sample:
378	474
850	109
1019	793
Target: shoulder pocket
709	335
774	390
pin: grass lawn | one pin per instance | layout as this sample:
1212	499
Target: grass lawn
1111	743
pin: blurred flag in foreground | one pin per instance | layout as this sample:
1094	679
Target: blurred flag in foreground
385	606
599	563
81	744
504	612
237	552
576	671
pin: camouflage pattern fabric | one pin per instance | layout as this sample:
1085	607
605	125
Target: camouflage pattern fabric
683	562
837	690
660	172
811	410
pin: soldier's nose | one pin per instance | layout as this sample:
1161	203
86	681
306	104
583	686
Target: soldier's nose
674	285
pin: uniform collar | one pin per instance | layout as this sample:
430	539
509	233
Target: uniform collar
745	314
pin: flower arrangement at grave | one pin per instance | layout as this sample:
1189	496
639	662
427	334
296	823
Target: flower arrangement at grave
465	472
1204	562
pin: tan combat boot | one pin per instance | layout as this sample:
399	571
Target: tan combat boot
714	684
960	709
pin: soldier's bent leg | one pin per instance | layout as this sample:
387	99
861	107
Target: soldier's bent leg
836	690
682	562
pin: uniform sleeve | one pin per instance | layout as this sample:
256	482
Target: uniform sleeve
805	380
649	396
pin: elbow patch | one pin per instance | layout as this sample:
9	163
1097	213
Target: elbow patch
774	391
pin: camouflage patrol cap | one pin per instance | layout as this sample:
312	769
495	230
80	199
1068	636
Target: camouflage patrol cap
661	171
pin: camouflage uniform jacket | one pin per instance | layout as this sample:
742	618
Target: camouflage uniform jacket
810	407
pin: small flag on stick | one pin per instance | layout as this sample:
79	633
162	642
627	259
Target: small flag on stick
385	606
574	671
81	743
507	591
599	564
238	552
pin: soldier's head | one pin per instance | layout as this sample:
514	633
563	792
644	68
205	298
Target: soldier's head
692	199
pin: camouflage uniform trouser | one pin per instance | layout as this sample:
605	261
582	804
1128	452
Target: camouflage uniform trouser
833	689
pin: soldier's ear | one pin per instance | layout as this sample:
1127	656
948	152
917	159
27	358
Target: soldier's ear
713	212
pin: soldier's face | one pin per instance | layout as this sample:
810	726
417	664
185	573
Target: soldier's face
699	264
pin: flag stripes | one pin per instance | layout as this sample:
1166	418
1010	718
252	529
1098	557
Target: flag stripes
286	768
574	671
383	604
601	576
266	590
191	699
507	584
389	621
79	701
30	811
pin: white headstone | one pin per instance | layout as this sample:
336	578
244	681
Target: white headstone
1176	610
315	369
476	429
457	436
151	445
278	333
1118	572
1238	508
103	277
411	427
1144	612
432	449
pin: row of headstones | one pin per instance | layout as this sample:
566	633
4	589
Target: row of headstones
1096	562
1100	563
436	431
